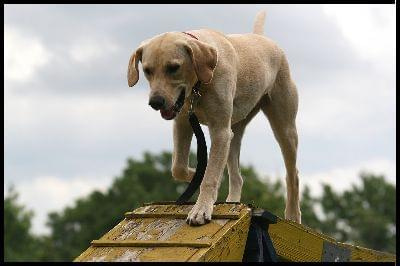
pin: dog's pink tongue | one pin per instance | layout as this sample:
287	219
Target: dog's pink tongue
167	114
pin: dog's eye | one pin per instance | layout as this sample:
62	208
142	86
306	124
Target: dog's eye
171	69
147	71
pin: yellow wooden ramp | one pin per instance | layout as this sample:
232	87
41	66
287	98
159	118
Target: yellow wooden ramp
158	232
295	242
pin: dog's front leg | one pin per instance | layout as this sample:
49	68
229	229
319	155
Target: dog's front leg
220	140
180	158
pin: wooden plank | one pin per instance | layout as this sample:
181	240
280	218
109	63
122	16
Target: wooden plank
145	229
220	211
296	242
132	215
89	251
149	243
162	229
368	255
140	254
160	254
229	242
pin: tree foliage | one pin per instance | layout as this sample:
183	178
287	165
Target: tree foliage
19	243
363	214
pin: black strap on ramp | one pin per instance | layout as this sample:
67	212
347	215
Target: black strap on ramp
259	246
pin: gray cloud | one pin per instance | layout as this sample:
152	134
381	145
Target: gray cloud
308	37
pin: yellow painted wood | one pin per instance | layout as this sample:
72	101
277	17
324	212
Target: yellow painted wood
295	242
131	215
221	211
158	233
368	255
149	243
136	254
231	241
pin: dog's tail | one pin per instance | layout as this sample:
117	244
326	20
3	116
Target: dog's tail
259	23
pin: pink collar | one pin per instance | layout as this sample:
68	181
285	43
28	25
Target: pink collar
191	35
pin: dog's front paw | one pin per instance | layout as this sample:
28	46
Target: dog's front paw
200	213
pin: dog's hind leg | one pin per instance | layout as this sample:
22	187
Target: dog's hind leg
235	178
281	109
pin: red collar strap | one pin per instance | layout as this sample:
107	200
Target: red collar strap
191	35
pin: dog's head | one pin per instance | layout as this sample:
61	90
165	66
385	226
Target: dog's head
172	63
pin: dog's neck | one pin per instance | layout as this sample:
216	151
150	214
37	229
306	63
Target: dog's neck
195	93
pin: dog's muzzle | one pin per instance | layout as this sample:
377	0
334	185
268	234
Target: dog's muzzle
171	113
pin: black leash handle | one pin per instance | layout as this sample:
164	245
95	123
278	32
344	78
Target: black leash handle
201	160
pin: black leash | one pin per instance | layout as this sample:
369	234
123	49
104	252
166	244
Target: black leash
201	149
259	246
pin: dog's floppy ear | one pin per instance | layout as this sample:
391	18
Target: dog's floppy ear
133	70
204	58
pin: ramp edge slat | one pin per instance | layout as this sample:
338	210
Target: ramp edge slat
132	215
149	243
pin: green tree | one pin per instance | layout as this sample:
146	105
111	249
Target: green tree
19	243
364	215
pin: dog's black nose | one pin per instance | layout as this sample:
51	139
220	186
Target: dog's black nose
157	102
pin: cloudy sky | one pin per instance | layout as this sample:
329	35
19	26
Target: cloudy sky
71	120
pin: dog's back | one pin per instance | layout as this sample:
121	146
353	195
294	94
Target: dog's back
254	60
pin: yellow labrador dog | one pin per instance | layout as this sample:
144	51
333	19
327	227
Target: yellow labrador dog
240	75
